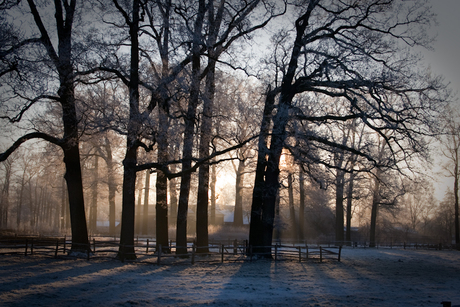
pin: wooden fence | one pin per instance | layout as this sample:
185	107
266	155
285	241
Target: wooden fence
147	250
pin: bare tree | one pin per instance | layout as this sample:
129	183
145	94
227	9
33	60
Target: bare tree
62	62
451	144
334	44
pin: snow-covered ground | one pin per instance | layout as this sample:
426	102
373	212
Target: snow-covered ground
364	277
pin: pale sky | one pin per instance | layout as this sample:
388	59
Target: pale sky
445	60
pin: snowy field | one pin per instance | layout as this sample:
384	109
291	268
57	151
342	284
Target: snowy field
364	277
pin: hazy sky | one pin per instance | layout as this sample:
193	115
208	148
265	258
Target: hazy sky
445	59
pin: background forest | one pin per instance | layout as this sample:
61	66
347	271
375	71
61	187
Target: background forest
305	120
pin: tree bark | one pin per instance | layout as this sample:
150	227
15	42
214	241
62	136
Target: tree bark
62	60
111	185
126	250
339	189
349	204
375	209
238	215
213	193
256	225
181	231
93	211
294	228
456	209
265	191
301	205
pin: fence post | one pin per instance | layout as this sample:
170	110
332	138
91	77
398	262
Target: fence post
276	251
340	252
94	245
147	247
65	239
159	254
222	254
300	253
27	243
235	247
57	247
32	247
306	251
320	254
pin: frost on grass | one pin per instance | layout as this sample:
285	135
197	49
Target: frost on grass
363	278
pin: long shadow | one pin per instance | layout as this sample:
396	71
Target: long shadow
44	281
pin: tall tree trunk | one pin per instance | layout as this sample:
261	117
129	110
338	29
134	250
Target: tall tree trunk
256	226
5	199
162	223
294	228
339	189
456	214
213	193
173	197
162	180
206	129
111	185
93	211
265	191
20	201
375	209
238	215
126	250
64	65
301	205
145	213
278	222
138	219
349	204
376	198
181	231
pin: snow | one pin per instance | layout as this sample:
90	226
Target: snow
364	277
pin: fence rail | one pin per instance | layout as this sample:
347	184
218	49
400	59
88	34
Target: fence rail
147	250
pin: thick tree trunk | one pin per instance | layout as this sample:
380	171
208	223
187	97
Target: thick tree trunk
456	212
374	211
215	20
162	211
162	181
76	201
294	228
93	211
126	250
181	231
111	185
256	226
339	189
238	214
173	198
213	193
265	191
138	218
64	65
301	205
5	199
349	205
